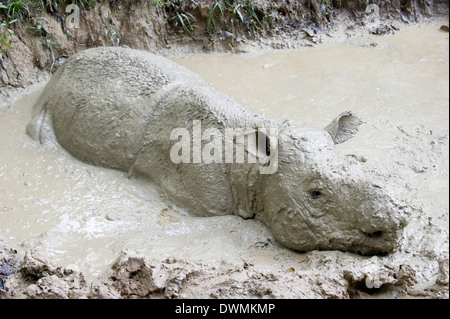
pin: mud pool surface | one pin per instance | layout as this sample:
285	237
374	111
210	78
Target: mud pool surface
84	217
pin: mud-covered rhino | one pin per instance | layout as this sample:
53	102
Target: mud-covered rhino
117	108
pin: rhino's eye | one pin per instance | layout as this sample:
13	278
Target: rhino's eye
315	193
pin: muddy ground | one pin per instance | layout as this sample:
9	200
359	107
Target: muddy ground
250	263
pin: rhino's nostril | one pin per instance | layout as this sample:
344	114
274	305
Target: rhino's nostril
315	193
375	234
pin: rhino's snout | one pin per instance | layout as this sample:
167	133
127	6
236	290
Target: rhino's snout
356	217
382	221
382	212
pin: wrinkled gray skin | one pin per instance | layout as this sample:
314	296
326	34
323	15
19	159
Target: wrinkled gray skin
116	107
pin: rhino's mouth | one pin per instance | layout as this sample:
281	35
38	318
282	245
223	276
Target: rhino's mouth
380	236
374	234
367	243
376	242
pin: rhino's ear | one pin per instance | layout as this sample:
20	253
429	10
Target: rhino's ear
343	127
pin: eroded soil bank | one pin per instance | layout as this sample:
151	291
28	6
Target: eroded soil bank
82	231
45	34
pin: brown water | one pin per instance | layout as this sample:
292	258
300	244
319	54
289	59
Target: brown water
407	71
85	216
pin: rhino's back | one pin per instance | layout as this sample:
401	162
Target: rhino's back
101	99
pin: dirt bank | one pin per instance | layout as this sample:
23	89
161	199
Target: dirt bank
135	276
45	36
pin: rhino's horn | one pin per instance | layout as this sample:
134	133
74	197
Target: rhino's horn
343	127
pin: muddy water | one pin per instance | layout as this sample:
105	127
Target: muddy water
374	76
84	216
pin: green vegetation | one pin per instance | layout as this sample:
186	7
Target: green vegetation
40	26
53	4
185	20
250	16
5	37
111	35
161	3
12	11
211	25
247	12
177	15
21	9
6	34
16	9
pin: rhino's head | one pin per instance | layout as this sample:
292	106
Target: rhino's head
319	199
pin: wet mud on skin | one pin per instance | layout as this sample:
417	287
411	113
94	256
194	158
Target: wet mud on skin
85	217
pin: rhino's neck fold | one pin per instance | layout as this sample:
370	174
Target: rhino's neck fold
244	180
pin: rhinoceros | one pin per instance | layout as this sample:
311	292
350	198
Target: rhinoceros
119	108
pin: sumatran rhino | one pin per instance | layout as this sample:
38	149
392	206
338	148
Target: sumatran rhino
127	109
